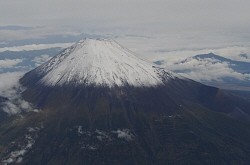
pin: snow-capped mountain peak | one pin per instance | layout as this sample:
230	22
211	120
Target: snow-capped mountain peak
99	62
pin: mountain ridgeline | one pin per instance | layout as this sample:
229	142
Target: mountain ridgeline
100	104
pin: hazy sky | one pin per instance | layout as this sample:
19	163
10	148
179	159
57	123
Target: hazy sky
161	14
201	21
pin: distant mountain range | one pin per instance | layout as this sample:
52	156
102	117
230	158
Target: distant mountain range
228	81
238	66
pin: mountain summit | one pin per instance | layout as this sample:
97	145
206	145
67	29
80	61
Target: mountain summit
98	62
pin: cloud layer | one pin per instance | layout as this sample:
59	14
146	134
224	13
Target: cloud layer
8	83
205	70
41	59
35	47
10	88
7	63
159	49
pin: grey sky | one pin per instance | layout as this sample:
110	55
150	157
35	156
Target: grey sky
172	14
201	21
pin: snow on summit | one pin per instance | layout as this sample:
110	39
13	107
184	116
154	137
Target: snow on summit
99	62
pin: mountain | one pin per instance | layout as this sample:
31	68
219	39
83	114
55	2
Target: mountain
217	70
97	63
238	66
245	56
100	104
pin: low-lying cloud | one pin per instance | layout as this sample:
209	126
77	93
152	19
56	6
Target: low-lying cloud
204	69
41	59
207	70
8	63
9	82
11	89
35	47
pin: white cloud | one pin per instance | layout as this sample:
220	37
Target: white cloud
11	89
205	70
41	59
16	105
8	83
35	47
16	156
214	72
11	108
124	134
171	50
8	63
40	32
158	49
24	104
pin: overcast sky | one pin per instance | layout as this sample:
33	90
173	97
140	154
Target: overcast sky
199	20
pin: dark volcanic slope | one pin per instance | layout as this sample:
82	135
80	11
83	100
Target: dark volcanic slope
183	122
2	113
177	122
163	98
